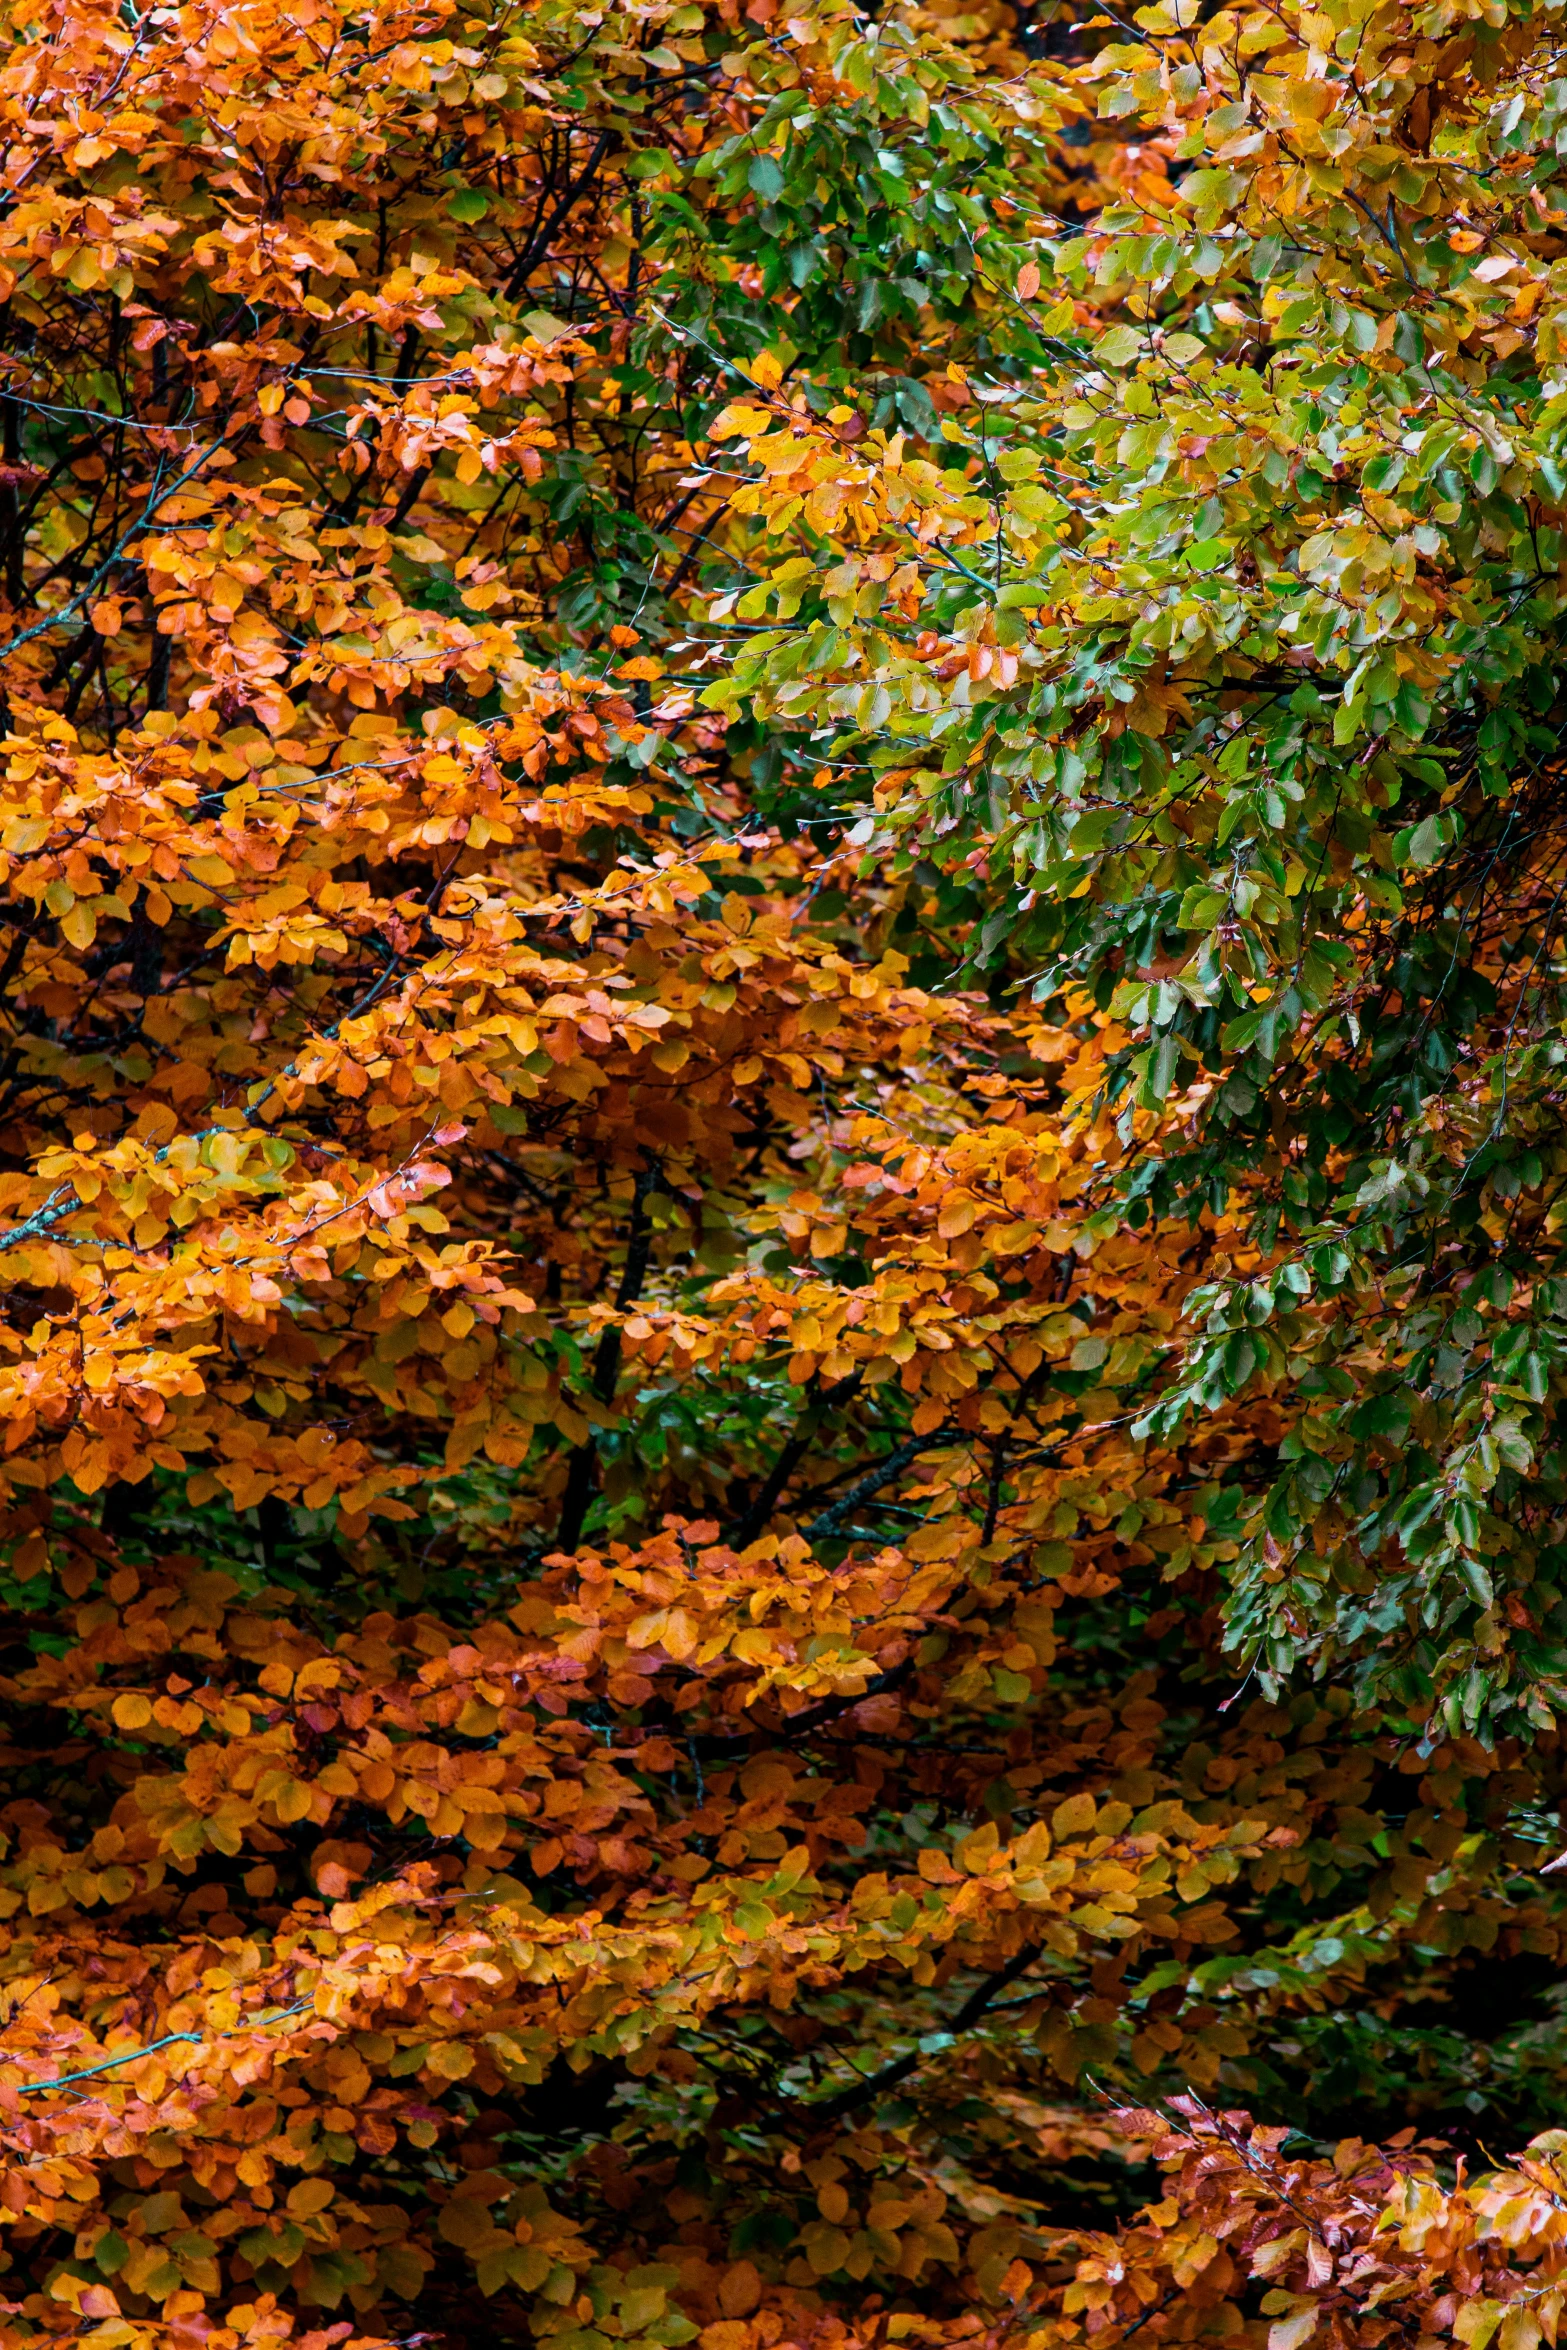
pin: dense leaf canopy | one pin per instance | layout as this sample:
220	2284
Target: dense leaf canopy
783	1311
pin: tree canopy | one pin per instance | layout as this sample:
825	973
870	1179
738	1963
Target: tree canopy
783	1310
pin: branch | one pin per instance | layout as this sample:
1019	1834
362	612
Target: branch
794	1726
84	595
90	2072
688	560
874	1479
538	244
755	1518
133	2055
65	1200
829	2108
606	1363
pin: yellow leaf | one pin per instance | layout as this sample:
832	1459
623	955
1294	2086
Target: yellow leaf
450	2060
79	927
1075	1817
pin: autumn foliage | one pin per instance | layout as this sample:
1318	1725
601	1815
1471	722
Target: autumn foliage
782	1317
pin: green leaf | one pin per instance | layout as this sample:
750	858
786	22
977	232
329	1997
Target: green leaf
1120	347
1201	908
1383	1415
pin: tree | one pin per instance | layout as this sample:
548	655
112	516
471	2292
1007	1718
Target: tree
782	1328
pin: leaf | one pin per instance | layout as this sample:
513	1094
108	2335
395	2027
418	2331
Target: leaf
1119	347
783	1155
1075	1817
